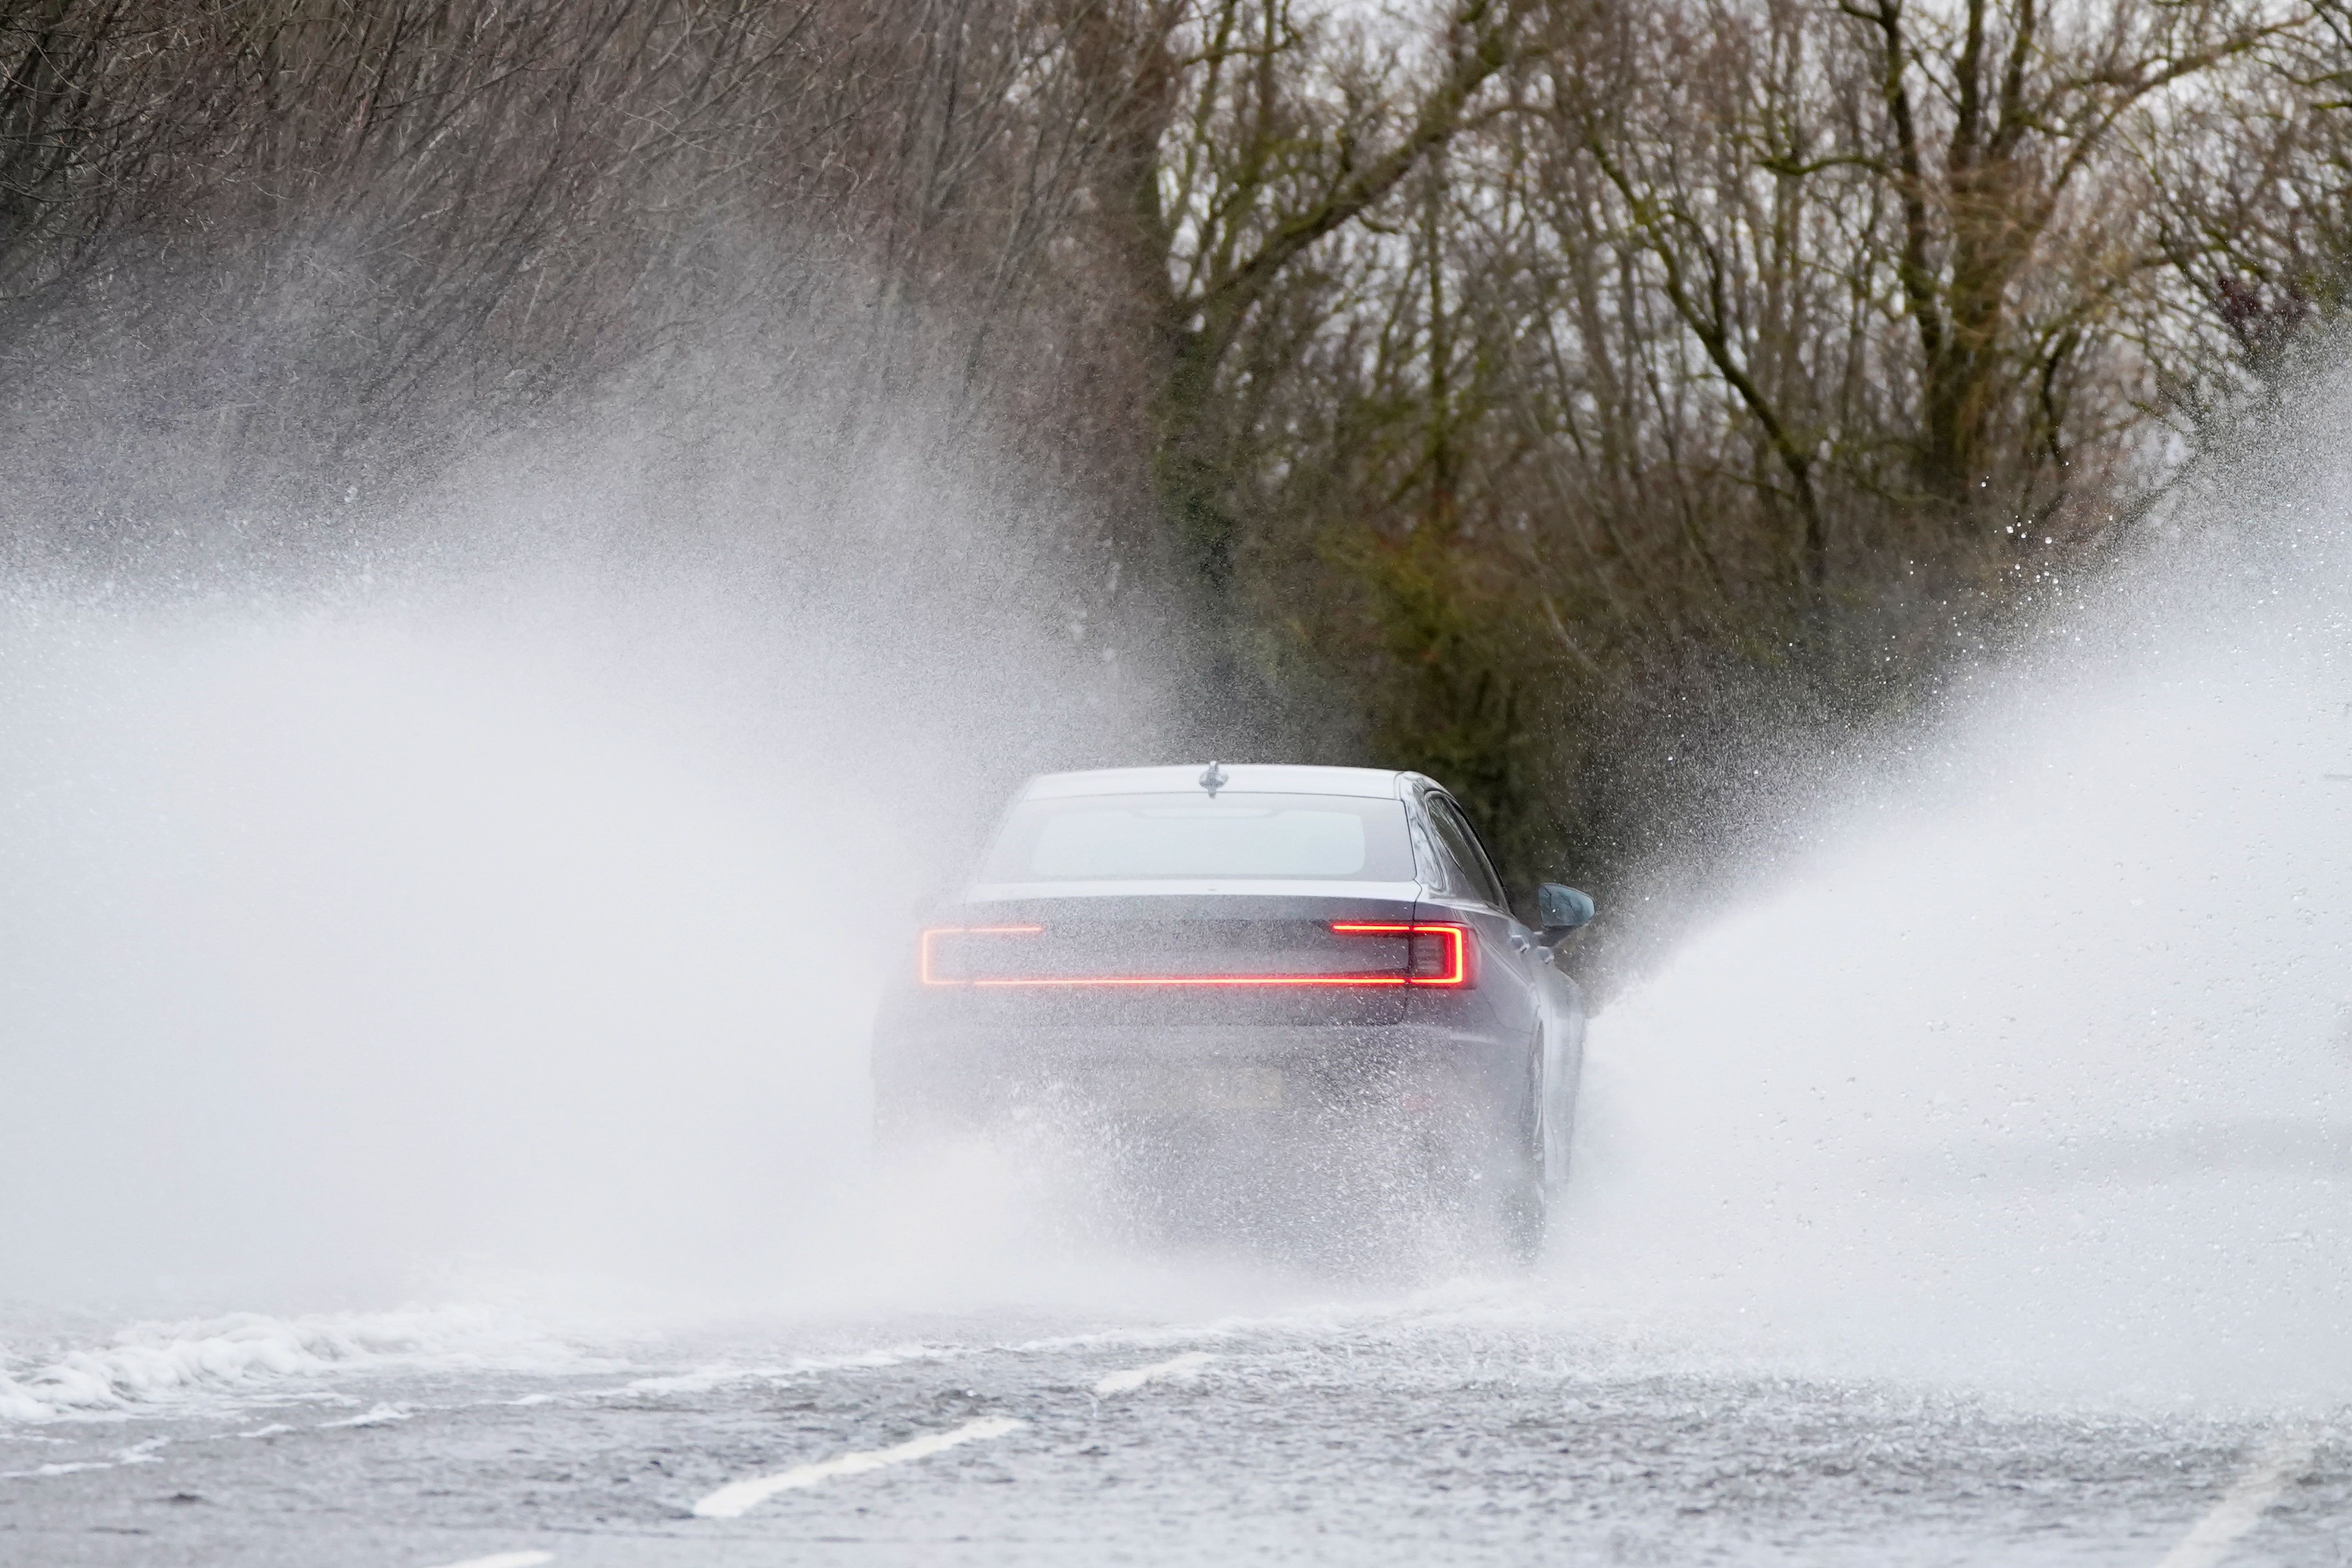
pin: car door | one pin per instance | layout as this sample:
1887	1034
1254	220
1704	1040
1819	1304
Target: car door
1563	1059
1555	1004
1473	895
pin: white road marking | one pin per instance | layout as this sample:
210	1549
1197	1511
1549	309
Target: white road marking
382	1415
733	1499
136	1453
62	1469
1186	1366
505	1560
2281	1460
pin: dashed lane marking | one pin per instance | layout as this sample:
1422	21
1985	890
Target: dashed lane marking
733	1499
1187	1365
136	1453
382	1415
2283	1460
505	1560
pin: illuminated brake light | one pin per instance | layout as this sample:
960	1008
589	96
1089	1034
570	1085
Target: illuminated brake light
1434	955
929	963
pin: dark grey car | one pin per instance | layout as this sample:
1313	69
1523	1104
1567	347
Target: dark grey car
1292	959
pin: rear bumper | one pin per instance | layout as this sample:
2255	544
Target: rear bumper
1285	1071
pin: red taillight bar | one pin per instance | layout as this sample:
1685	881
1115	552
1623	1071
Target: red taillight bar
1451	969
935	933
1454	967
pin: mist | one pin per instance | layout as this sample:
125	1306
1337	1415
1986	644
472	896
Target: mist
2033	1071
505	923
495	901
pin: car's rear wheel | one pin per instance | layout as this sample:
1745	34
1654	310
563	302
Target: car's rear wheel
1521	1200
1485	1187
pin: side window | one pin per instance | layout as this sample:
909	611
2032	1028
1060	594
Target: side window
1446	839
1429	861
1462	847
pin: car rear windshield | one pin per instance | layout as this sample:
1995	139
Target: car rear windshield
1137	837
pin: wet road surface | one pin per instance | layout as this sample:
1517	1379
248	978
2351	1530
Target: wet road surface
1478	1435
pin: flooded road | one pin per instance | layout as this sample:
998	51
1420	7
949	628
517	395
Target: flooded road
1485	1427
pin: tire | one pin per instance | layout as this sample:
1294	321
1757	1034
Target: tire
1521	1195
1490	1189
1521	1204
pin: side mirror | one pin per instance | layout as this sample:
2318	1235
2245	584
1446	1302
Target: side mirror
1560	911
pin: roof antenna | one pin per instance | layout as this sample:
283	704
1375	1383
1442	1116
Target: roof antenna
1213	780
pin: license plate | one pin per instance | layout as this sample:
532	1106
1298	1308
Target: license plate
1188	1089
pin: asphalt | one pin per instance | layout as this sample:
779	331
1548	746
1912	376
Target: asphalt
1476	1432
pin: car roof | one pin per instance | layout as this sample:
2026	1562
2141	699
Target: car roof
1245	778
